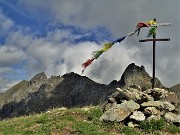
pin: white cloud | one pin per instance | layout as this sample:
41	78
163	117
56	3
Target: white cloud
21	38
5	70
10	55
54	58
5	24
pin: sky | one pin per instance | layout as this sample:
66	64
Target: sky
57	36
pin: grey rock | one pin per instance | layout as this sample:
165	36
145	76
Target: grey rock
162	105
167	106
157	104
151	111
119	95
107	106
134	86
138	116
132	124
111	100
154	117
163	95
159	92
171	97
120	111
172	118
145	98
132	94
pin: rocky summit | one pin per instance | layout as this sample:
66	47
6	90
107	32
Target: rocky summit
137	75
72	90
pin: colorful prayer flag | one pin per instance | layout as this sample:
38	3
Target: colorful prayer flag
107	46
152	23
87	63
152	31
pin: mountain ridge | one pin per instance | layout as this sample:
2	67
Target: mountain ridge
70	90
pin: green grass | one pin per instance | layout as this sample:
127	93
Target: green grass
130	131
77	121
74	120
173	129
153	125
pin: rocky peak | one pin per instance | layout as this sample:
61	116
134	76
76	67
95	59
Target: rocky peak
137	75
38	79
71	75
134	68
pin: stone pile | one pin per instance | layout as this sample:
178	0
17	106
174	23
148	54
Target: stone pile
132	105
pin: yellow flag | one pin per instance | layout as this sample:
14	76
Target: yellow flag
107	46
151	22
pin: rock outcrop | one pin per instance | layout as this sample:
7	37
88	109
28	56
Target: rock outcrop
120	111
137	75
140	109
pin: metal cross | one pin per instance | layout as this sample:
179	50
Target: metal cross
154	53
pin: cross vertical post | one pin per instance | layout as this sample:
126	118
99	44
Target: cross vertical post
154	60
154	53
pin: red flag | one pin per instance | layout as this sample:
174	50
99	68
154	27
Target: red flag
87	63
142	24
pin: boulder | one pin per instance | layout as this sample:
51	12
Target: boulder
151	111
111	100
162	105
138	116
157	104
163	95
159	93
108	106
118	95
132	94
154	117
171	97
145	98
134	86
167	106
120	111
172	118
132	124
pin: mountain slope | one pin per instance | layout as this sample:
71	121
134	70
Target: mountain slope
176	88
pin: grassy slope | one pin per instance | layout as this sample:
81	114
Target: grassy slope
75	121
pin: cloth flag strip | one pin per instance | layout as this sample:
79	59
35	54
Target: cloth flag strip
87	63
153	27
96	54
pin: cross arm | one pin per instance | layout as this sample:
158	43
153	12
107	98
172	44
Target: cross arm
161	39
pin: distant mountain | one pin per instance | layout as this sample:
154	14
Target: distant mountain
176	88
69	90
